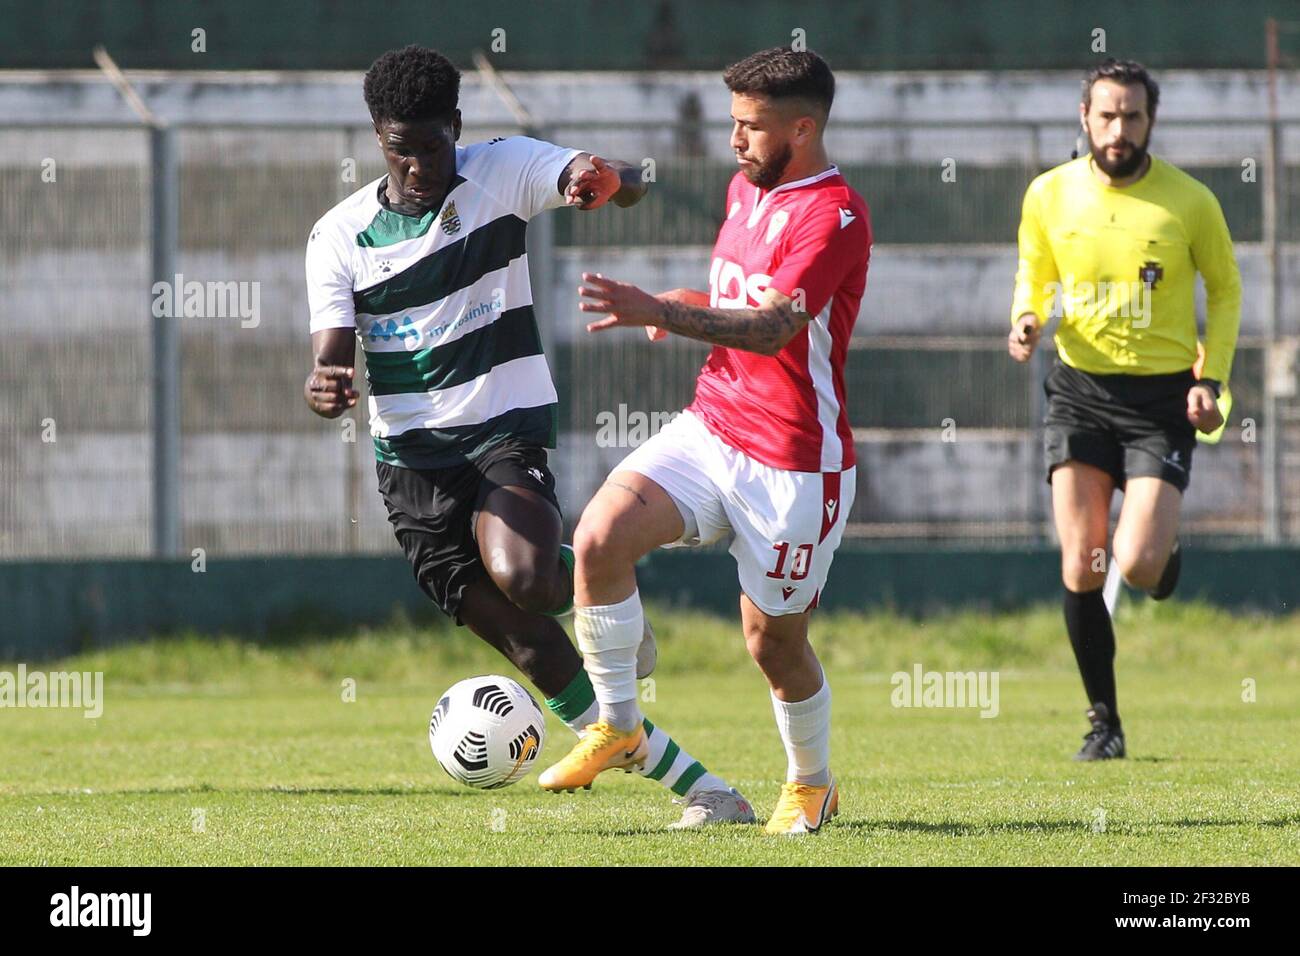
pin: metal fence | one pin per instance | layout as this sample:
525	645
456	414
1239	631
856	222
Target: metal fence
947	427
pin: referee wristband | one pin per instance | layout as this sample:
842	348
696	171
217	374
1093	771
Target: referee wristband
1215	385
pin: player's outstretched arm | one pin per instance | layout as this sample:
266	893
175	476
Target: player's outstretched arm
328	389
589	182
764	330
689	296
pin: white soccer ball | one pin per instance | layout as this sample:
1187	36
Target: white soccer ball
486	732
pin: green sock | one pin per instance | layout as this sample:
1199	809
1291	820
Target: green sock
576	704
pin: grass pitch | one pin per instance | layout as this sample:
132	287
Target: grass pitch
222	752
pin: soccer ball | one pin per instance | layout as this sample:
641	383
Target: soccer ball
486	732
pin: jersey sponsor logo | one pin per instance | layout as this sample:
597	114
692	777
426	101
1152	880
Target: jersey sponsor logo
387	329
450	219
730	288
846	217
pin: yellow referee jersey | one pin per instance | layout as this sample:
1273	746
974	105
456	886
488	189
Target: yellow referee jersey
1118	266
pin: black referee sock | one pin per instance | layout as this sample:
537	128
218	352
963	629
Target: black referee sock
1093	640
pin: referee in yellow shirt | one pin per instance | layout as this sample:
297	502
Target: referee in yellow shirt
1111	243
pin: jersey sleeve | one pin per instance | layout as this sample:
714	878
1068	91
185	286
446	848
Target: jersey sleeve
1212	253
821	250
523	173
1036	272
329	281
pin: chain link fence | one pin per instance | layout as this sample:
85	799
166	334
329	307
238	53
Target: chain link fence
947	426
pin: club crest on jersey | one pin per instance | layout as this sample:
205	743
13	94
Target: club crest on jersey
776	224
450	220
1150	273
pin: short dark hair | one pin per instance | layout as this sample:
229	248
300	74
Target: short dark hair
412	84
1126	72
781	73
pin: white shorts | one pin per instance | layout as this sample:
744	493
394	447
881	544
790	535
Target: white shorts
787	524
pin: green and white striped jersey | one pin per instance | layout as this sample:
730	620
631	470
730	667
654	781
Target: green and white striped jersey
443	307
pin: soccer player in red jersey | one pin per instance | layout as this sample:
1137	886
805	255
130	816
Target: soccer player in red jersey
765	452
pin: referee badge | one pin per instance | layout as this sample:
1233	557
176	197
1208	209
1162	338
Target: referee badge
1150	273
450	220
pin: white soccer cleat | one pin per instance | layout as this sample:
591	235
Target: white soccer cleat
714	806
647	654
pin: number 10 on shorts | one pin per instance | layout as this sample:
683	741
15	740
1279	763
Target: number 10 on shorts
799	567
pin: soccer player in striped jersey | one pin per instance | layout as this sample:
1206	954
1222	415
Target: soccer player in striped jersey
427	268
1117	237
764	453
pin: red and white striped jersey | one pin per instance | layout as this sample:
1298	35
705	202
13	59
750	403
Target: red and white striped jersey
811	240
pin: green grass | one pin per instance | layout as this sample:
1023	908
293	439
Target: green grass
258	744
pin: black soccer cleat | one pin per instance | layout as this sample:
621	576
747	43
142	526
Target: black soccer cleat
1169	577
1103	742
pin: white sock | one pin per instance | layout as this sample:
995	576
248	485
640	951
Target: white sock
805	727
608	636
589	716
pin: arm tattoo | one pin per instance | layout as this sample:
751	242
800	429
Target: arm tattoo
765	330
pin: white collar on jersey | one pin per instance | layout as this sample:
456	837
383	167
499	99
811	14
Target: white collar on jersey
761	200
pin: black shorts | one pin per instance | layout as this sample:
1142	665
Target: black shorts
1129	426
434	513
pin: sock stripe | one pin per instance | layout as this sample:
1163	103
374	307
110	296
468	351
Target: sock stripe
694	772
572	702
670	754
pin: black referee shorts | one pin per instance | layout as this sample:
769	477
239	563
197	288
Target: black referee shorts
434	513
1129	426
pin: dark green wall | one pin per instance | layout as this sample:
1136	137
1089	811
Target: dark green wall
586	34
49	609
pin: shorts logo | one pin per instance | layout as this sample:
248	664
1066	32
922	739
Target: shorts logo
450	220
1175	460
537	475
787	591
1150	274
